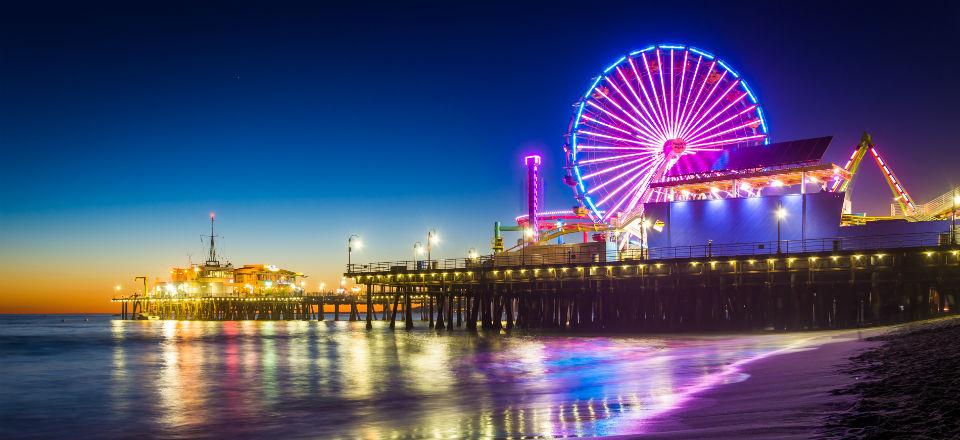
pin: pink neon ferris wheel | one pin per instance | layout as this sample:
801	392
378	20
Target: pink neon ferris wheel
661	110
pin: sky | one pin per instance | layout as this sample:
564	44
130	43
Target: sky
123	124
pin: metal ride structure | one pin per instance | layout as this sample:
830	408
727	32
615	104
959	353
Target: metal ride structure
649	112
906	204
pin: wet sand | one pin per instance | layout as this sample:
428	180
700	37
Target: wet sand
785	396
885	382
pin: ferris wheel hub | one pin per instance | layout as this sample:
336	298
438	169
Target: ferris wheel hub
674	147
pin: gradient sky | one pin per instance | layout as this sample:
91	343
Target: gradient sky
123	124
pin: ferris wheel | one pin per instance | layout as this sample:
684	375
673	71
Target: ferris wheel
656	109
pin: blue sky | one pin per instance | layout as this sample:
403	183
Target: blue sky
124	124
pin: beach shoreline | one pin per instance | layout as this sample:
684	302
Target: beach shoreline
787	395
829	389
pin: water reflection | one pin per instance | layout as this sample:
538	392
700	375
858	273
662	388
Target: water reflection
337	380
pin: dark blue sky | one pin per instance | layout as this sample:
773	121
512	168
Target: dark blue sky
313	120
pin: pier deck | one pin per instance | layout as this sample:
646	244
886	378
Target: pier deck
820	284
814	284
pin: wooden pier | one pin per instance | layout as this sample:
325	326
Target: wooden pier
765	291
628	293
310	306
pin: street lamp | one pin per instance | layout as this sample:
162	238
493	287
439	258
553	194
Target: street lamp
644	225
417	251
322	285
953	218
781	214
432	238
353	240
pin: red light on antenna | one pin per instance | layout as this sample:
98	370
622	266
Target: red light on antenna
212	215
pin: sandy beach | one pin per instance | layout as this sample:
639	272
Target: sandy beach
884	382
784	396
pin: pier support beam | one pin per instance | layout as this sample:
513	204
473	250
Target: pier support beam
369	307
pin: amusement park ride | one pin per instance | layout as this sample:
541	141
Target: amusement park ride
673	123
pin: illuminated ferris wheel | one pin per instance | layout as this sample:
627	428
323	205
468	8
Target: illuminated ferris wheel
663	108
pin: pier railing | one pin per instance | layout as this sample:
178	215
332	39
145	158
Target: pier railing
560	255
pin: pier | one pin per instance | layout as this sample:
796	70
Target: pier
805	285
808	285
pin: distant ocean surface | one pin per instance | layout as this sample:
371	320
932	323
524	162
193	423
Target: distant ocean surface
61	376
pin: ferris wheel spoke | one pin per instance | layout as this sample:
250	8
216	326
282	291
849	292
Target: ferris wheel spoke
610	147
694	135
631	141
640	160
651	107
656	97
611	158
723	111
613	116
640	175
683	74
721	133
703	102
645	113
727	141
638	188
587	118
644	161
646	122
712	106
619	107
670	111
686	102
639	194
701	107
663	95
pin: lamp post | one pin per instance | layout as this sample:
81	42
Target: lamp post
953	218
644	225
781	214
353	240
431	239
417	251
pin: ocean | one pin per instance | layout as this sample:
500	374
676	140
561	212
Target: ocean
101	377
